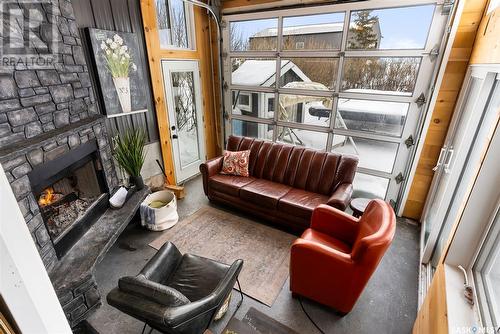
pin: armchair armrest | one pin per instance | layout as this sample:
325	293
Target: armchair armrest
162	264
186	313
335	223
210	168
142	287
341	196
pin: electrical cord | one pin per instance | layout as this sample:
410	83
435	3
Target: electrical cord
309	317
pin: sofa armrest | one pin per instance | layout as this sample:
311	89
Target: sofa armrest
335	223
208	169
142	287
341	196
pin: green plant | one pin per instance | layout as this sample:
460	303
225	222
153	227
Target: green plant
129	151
117	57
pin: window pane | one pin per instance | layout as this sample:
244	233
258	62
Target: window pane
252	104
309	73
372	154
369	186
253	35
172	25
381	117
185	115
305	109
374	75
392	28
252	129
313	32
301	137
259	72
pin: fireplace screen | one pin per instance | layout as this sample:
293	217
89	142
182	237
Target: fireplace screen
68	199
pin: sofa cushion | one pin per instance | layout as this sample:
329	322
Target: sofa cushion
325	239
264	192
229	184
301	203
235	163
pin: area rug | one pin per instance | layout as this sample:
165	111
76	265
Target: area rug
256	322
225	237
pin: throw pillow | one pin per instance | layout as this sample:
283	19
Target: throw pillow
236	163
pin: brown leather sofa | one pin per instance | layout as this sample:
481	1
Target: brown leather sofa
285	184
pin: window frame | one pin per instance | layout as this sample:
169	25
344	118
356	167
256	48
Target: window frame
190	27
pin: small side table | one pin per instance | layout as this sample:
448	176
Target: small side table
358	206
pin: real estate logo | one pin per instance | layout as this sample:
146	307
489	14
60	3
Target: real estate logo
29	35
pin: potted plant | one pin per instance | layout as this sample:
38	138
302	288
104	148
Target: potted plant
129	153
119	64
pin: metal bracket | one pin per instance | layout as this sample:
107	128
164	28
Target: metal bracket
225	86
399	178
421	100
433	53
341	53
409	142
447	7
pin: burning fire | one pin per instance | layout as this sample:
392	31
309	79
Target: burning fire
47	197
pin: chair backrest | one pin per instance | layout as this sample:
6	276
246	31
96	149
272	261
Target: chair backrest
303	168
376	230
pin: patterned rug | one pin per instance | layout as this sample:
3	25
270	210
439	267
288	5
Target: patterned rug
225	237
256	322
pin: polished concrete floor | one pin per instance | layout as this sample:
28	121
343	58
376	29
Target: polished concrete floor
388	304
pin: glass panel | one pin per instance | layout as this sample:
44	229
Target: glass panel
369	186
253	35
392	28
372	154
381	117
172	25
309	73
253	104
305	109
259	72
301	137
388	75
313	32
185	115
252	129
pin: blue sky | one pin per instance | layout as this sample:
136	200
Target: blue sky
403	28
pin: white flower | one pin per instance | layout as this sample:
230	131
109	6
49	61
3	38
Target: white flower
124	48
115	56
108	52
127	56
134	67
113	45
103	46
118	39
109	41
121	51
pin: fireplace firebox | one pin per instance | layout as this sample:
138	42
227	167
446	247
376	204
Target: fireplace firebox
72	193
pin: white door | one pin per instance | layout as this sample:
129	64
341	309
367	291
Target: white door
469	131
185	115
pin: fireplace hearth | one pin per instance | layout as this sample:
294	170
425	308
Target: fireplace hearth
71	192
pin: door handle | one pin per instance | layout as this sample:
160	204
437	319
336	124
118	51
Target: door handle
447	162
173	127
440	159
175	136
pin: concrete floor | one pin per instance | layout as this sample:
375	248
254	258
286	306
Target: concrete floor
388	304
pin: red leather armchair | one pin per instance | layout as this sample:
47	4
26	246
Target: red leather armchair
333	260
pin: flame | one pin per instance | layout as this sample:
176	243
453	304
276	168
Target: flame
47	197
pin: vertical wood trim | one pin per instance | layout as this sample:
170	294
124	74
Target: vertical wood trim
153	47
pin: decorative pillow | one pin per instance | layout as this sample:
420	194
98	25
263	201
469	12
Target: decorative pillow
235	163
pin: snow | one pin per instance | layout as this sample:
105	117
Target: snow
369	186
376	91
260	72
188	146
303	29
373	107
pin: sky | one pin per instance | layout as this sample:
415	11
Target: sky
402	28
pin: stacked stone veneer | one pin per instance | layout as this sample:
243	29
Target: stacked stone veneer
44	113
34	101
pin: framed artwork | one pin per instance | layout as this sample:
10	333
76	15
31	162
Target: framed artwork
120	81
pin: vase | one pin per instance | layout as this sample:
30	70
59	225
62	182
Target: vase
137	181
122	85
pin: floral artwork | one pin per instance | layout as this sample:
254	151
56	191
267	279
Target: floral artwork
115	56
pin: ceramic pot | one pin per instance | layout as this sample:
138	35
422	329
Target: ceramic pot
122	86
137	181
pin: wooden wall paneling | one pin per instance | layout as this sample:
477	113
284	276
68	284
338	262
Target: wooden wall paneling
487	46
443	111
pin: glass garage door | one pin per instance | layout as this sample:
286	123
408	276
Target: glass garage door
348	78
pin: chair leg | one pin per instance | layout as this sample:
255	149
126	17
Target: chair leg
144	328
241	294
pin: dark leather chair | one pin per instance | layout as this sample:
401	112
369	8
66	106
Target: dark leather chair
285	184
176	293
333	260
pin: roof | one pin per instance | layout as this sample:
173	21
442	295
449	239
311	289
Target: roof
256	72
321	28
